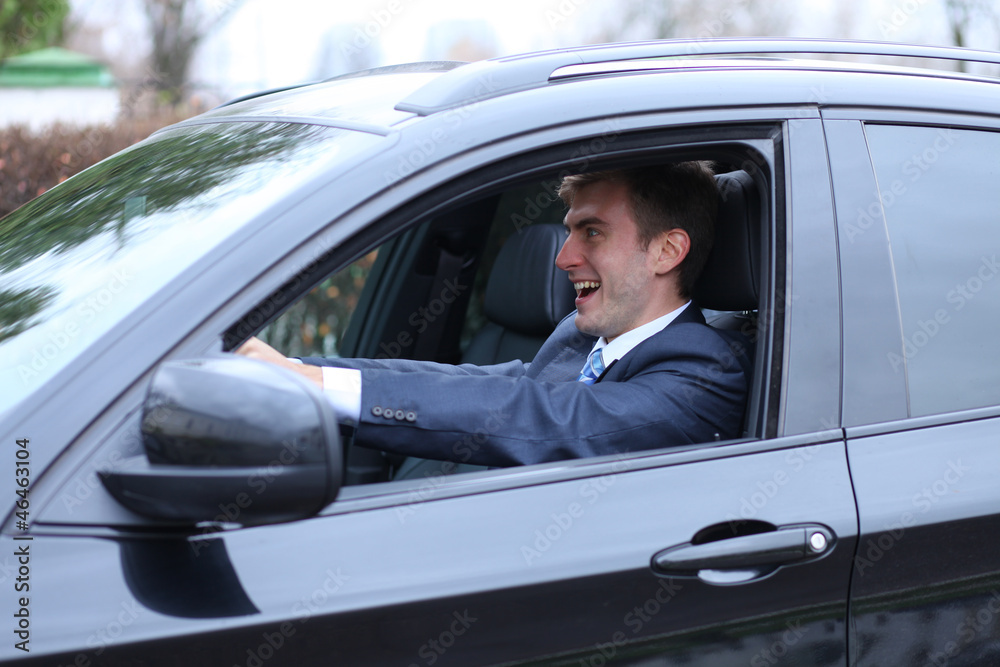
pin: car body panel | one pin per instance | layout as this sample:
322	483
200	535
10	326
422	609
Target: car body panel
494	556
872	391
925	584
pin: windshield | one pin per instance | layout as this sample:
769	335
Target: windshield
81	257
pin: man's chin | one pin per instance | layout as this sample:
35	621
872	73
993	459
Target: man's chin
586	325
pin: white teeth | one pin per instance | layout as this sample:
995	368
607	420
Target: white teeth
585	284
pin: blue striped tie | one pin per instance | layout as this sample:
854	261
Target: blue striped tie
593	368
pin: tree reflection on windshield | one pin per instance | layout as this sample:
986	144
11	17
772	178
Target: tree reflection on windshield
18	308
90	251
117	195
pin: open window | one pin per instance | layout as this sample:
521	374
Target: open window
442	282
415	284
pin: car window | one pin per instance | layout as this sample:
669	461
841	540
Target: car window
314	326
84	256
535	203
365	305
938	191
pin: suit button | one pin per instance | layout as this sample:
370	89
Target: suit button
400	415
411	416
377	410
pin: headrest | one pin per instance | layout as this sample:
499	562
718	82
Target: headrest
731	275
526	292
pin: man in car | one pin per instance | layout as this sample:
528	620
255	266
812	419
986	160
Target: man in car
634	368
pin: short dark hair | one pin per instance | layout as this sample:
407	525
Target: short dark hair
680	195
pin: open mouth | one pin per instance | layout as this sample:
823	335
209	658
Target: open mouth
585	288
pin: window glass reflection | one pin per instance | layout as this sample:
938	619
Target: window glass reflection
89	252
942	208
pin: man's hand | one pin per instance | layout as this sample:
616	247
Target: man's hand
258	349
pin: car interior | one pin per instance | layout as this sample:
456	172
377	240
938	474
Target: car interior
478	284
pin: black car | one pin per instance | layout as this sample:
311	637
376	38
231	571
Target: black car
170	503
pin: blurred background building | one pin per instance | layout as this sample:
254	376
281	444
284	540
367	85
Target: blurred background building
54	85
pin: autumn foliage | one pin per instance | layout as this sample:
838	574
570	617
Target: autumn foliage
33	162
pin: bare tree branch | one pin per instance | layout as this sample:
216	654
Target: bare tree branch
177	28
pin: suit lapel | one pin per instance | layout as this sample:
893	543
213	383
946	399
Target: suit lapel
691	314
564	353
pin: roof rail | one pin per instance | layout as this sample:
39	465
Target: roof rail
498	76
402	68
429	66
259	93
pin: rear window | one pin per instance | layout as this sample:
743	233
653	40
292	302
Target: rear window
942	210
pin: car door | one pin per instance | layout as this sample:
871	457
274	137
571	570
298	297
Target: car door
736	552
917	209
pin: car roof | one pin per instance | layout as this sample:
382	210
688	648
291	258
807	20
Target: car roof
380	99
499	76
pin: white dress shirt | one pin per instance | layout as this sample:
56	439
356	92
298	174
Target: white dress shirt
623	344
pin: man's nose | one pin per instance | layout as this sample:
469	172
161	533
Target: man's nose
567	258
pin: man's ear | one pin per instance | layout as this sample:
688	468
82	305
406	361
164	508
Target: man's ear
671	249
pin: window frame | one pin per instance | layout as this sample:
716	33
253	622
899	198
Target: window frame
875	399
645	145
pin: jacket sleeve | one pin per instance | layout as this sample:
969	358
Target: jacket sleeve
672	390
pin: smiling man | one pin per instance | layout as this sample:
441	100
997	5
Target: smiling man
634	368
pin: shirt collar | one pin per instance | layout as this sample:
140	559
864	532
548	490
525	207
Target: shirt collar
624	343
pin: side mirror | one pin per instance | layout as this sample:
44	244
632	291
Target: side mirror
231	436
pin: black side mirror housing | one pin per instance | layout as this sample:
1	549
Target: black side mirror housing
231	439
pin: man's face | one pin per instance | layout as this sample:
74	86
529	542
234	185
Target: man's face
619	285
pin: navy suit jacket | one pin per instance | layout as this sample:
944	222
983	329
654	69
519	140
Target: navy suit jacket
683	385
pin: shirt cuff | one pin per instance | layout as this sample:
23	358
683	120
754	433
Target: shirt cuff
342	388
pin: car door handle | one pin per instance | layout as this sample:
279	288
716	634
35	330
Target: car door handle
773	548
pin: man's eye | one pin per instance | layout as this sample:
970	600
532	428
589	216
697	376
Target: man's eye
591	232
